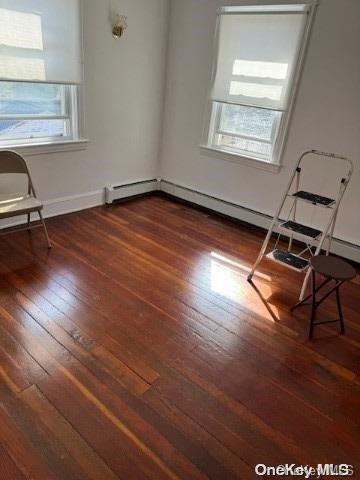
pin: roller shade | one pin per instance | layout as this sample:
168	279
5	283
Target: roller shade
41	41
257	55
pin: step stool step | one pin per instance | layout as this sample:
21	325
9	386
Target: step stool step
301	229
314	198
289	260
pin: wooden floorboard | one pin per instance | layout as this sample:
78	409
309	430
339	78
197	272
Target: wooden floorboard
136	349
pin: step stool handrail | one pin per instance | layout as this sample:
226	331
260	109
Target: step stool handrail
329	155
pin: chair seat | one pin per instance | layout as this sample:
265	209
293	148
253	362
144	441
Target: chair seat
14	205
332	267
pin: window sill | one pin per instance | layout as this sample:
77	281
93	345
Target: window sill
48	147
240	159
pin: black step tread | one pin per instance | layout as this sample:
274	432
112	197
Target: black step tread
290	259
302	229
314	198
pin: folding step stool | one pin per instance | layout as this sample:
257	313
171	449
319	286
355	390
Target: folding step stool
312	237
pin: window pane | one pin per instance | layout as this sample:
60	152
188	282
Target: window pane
28	129
31	99
245	145
249	121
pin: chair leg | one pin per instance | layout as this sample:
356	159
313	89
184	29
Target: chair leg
45	230
338	300
28	221
313	309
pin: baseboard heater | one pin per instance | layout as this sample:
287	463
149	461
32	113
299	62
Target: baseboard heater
229	209
252	217
118	192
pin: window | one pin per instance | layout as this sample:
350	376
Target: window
40	71
259	55
37	113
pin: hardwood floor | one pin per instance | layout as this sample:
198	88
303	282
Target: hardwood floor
136	349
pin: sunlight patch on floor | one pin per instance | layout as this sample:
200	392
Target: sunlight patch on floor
244	269
228	279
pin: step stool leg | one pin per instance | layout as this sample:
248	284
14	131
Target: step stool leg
305	285
259	258
263	249
274	221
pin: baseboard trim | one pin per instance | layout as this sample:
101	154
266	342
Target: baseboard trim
83	201
61	206
245	215
73	203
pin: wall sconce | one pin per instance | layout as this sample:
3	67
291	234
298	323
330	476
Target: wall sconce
119	26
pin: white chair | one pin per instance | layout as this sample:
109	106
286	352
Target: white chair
13	205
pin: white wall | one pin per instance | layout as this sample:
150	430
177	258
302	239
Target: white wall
327	113
124	85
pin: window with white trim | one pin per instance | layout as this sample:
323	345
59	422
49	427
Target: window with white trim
41	71
259	54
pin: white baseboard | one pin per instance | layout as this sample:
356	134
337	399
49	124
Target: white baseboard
75	203
339	247
83	201
62	206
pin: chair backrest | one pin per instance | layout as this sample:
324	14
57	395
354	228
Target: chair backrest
11	162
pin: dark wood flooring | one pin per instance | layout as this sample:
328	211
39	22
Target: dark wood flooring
136	349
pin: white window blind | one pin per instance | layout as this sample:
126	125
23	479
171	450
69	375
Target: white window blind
258	50
41	41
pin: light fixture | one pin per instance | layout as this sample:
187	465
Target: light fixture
119	26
